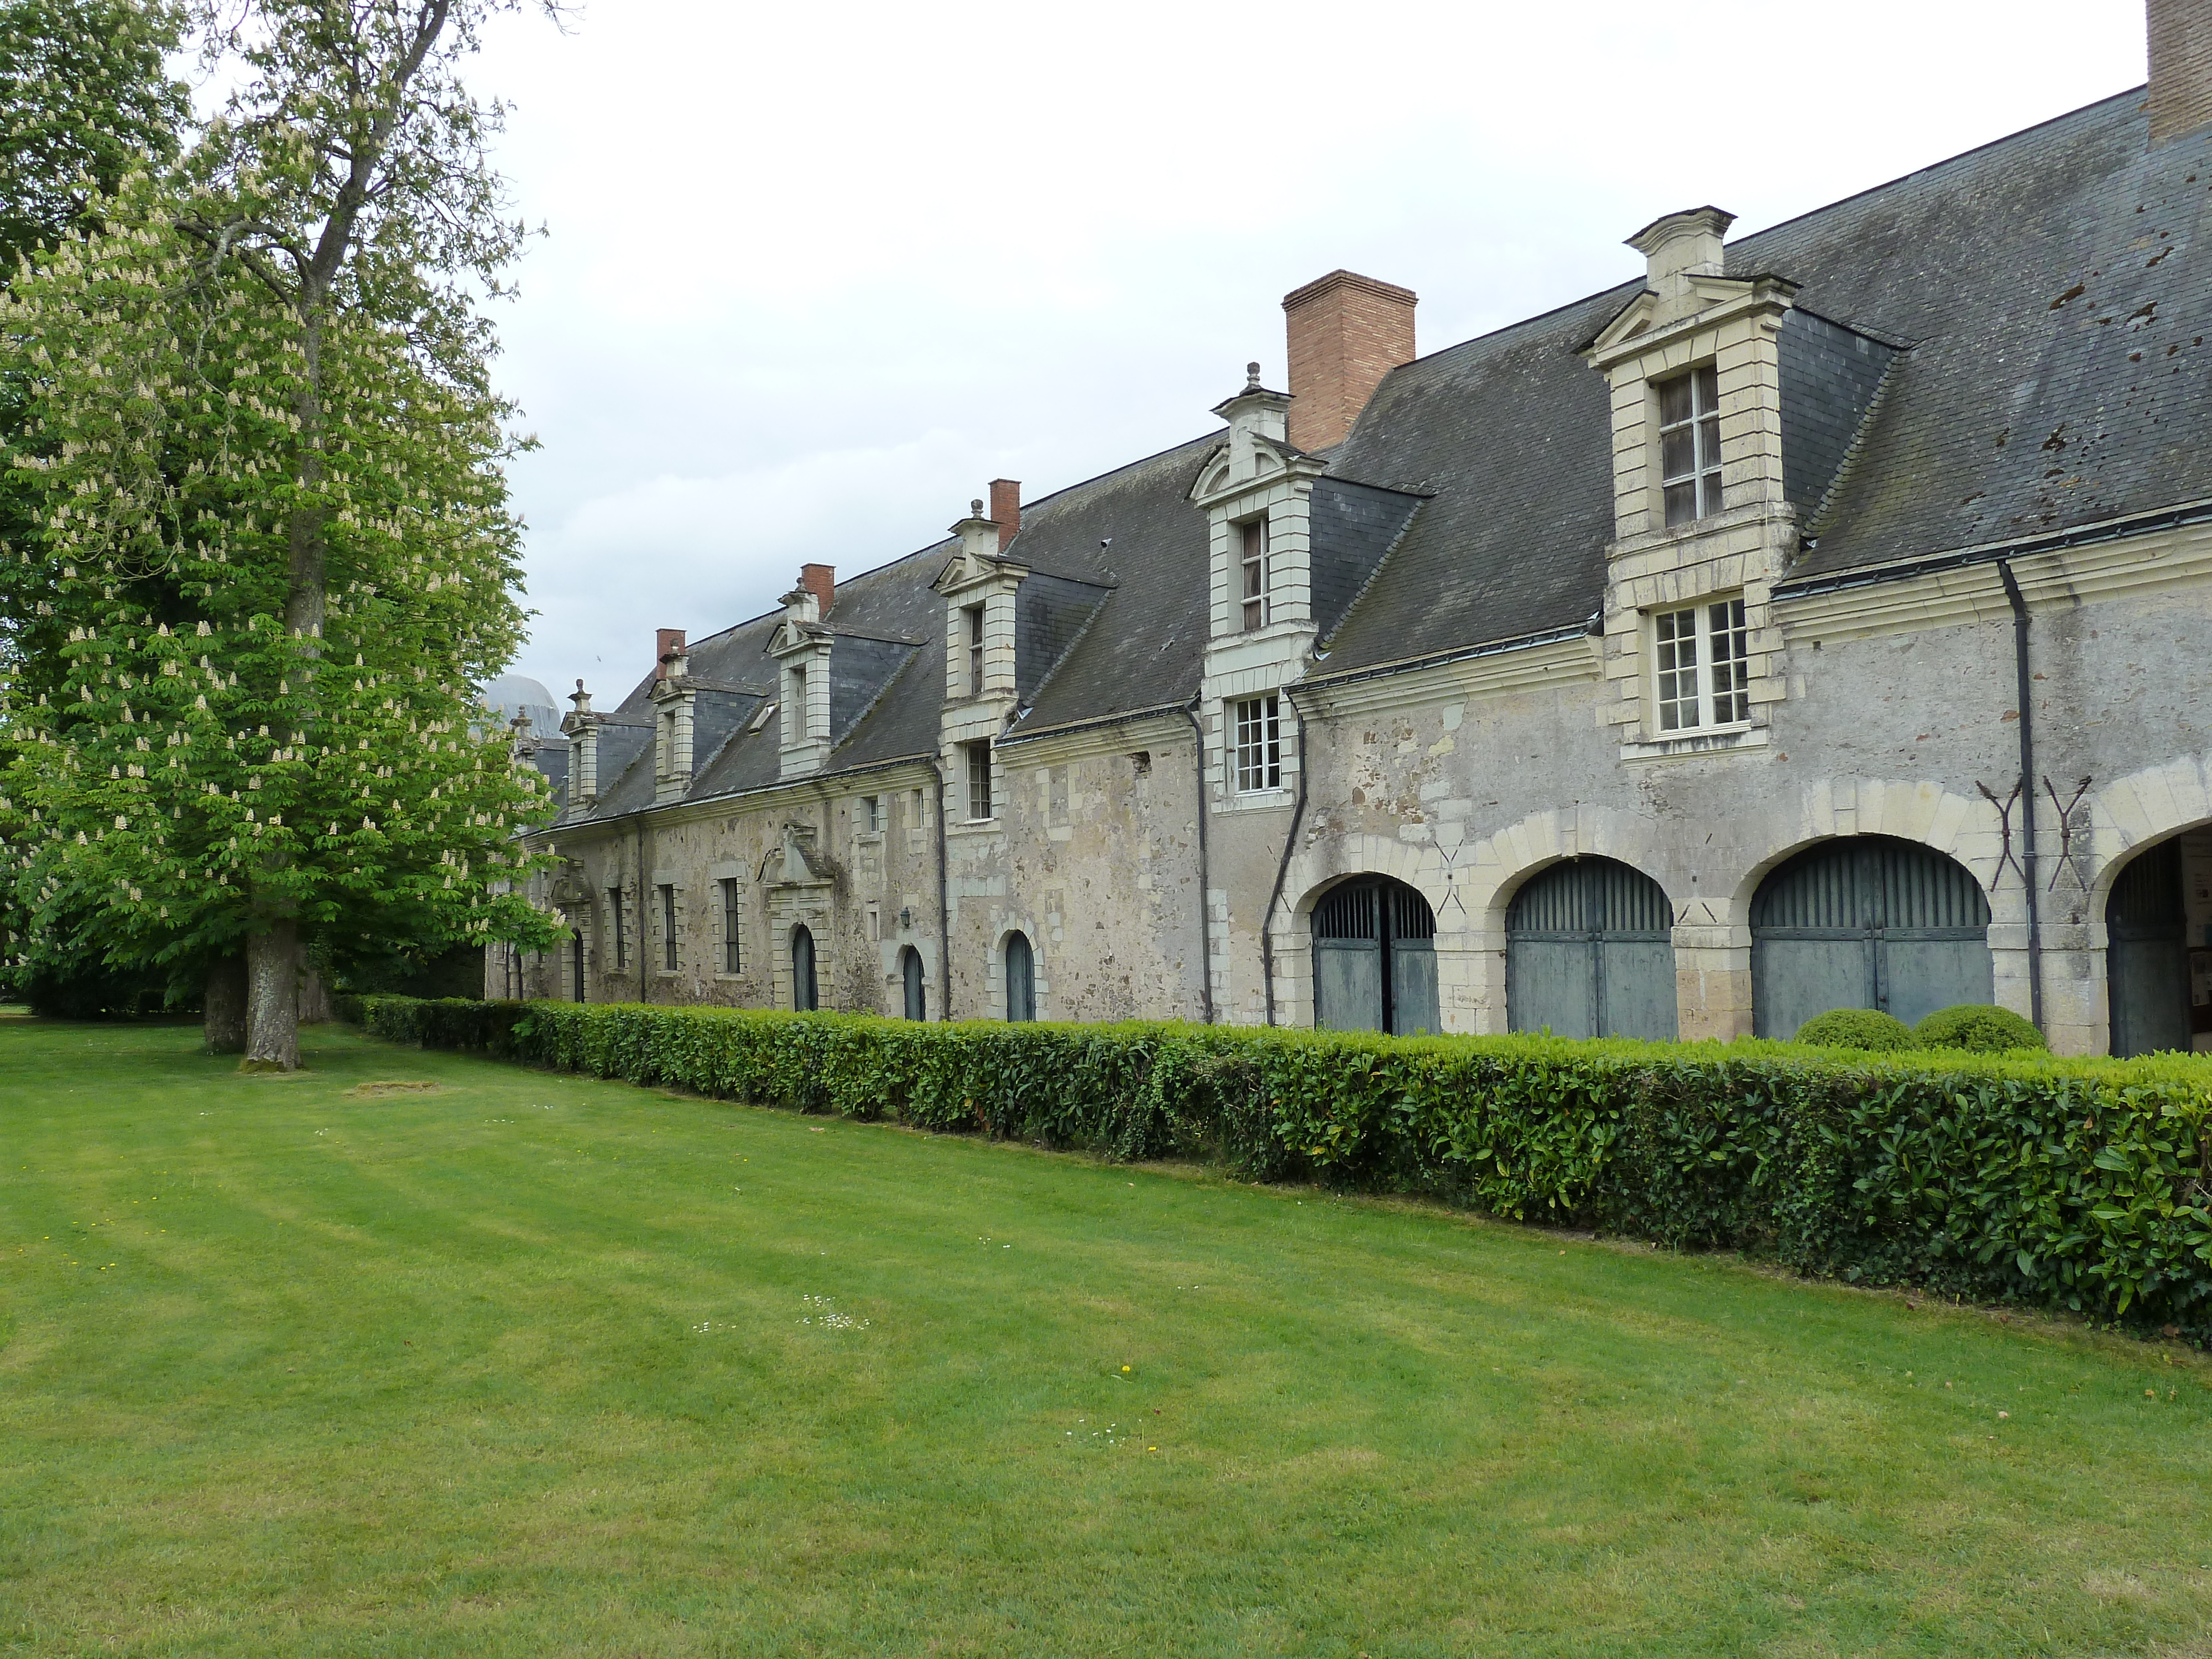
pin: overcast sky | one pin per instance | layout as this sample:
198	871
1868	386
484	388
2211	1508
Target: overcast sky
815	273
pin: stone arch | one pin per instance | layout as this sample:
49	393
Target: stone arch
994	970
2116	823
1329	863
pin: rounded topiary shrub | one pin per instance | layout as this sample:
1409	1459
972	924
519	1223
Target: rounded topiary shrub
1980	1027
1858	1028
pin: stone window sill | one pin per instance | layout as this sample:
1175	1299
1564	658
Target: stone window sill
1692	745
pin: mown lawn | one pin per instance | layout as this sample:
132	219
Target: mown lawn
536	1365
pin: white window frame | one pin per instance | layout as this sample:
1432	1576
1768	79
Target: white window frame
979	785
1256	744
1695	439
1701	666
731	891
972	630
1256	574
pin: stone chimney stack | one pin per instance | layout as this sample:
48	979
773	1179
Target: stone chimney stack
667	646
1345	331
2180	67
1006	508
820	581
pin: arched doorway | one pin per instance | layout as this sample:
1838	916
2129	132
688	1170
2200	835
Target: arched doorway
1866	922
1374	959
917	995
1021	978
804	996
2161	907
1589	952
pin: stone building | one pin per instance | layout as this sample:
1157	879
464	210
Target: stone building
1815	622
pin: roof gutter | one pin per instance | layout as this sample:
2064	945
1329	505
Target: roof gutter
2027	695
2112	530
1205	880
1440	658
1283	869
1128	718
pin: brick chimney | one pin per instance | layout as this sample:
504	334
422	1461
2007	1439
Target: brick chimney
820	581
1345	332
2180	67
1006	508
667	646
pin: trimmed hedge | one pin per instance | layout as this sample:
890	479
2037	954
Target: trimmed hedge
1982	1027
1868	1029
2070	1183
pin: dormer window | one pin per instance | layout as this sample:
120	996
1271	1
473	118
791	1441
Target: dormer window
1701	665
1690	444
797	698
1253	533
974	613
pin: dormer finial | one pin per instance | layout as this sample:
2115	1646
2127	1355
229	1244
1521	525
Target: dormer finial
975	508
1251	377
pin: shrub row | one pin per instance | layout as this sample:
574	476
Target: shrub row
2076	1184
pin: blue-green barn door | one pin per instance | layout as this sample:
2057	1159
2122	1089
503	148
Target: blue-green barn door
1866	922
2147	954
1374	959
1589	952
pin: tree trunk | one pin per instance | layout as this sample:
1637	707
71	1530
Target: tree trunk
222	1004
314	995
272	1001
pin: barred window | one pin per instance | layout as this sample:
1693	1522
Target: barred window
1259	743
979	780
668	927
615	925
1701	656
1690	444
733	955
1256	582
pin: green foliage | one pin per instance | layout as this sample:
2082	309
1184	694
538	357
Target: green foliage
84	97
268	546
1867	1029
2078	1184
1981	1027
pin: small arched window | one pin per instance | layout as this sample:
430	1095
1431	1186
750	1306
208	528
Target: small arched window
1021	978
803	995
917	996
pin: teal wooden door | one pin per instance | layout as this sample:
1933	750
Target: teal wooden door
804	992
1021	978
1589	952
1374	959
1866	922
2147	954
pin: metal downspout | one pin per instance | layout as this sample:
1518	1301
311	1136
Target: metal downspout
944	905
1283	869
1205	883
2026	693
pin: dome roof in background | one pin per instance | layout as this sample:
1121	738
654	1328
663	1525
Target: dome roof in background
517	694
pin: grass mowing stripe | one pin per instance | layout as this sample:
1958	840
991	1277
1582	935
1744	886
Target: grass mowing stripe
536	1365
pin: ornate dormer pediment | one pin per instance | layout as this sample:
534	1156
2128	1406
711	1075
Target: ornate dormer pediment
977	561
801	646
1257	450
795	863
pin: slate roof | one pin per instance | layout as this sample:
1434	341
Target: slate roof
2052	291
2007	344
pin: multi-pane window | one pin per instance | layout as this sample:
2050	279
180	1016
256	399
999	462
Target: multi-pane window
794	725
979	780
1701	656
1254	543
1690	444
1259	753
668	928
974	614
872	814
732	956
615	926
